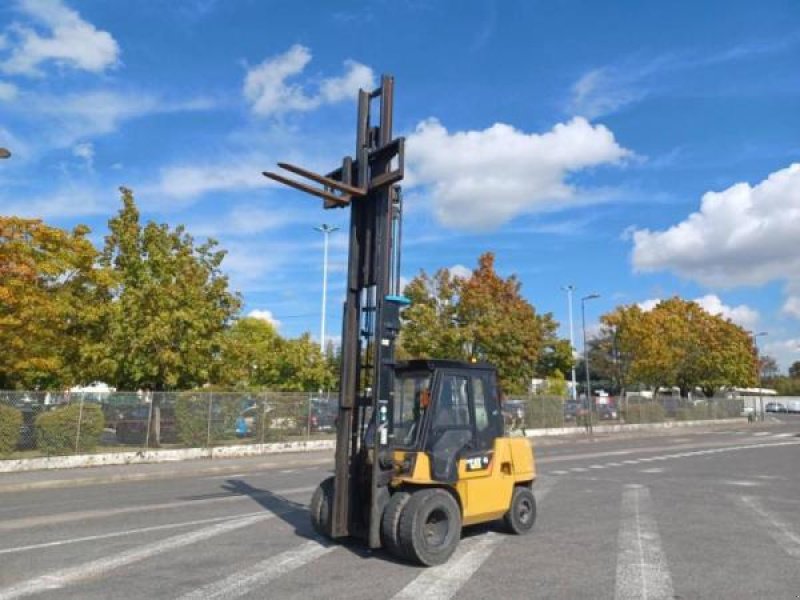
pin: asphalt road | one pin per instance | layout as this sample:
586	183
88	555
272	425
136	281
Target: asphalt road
711	514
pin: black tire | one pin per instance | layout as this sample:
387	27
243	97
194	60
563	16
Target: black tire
321	507
390	523
522	514
430	527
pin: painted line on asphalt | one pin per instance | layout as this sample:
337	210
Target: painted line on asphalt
70	575
105	536
778	529
444	581
82	515
642	570
247	580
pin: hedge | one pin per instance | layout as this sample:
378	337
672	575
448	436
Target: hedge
10	423
57	430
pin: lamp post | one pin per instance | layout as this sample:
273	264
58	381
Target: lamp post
586	360
758	366
569	289
326	230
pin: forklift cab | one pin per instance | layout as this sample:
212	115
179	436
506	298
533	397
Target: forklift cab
449	410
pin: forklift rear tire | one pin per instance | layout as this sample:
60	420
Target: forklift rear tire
391	522
430	527
522	514
322	507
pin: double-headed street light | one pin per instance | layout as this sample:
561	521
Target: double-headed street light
586	361
758	366
326	230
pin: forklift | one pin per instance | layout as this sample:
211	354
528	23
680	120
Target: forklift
420	444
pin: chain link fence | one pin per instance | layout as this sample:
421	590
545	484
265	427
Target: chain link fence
50	424
538	411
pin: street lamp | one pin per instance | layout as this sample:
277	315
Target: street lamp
758	366
326	230
569	289
4	153
586	360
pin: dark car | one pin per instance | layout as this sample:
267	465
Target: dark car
607	412
323	415
513	412
132	425
27	430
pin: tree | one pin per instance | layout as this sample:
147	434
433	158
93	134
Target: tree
678	344
52	305
483	316
769	367
794	370
253	355
171	303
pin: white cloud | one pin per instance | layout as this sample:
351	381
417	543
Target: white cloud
85	151
479	180
461	271
743	235
187	182
79	201
264	315
8	91
742	315
69	41
792	306
244	220
269	93
785	351
601	92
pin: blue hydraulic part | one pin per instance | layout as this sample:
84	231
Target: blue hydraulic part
401	300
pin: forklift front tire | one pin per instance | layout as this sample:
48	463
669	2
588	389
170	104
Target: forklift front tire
521	514
430	527
391	522
322	507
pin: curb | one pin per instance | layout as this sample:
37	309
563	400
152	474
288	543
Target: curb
159	456
559	431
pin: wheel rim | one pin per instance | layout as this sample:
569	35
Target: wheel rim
435	529
525	511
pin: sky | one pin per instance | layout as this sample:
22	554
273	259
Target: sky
637	150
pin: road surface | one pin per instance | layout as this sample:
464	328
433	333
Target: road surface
691	514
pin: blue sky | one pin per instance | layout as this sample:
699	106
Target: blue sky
635	149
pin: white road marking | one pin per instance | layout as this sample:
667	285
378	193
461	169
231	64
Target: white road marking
740	483
444	581
578	469
228	476
597	467
761	433
655	470
245	581
779	530
105	536
642	570
83	515
63	577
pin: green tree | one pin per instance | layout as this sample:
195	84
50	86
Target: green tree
171	303
52	306
794	370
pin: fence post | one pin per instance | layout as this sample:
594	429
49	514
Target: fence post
263	418
78	434
308	419
208	421
149	420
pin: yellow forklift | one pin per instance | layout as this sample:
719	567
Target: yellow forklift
420	444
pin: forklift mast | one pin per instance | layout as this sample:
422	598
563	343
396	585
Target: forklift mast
371	320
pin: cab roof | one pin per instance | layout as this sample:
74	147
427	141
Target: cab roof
430	364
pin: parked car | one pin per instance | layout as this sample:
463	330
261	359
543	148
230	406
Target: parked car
607	412
571	409
132	426
776	407
27	430
793	406
513	412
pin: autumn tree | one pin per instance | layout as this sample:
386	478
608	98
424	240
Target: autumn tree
52	299
679	344
171	303
482	316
